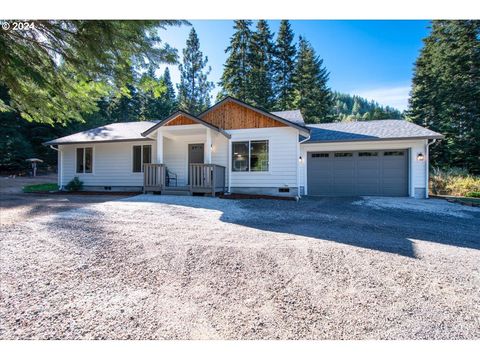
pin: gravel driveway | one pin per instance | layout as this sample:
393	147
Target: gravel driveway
160	267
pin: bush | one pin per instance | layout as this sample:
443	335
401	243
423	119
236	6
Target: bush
75	184
475	194
453	181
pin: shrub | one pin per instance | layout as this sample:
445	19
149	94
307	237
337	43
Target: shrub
475	194
453	181
75	184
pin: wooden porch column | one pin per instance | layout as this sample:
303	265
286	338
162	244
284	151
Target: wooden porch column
208	147
159	147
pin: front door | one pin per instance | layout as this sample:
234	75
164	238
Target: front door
195	156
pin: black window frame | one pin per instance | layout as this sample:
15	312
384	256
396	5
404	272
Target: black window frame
138	168
343	154
81	160
248	155
320	155
394	153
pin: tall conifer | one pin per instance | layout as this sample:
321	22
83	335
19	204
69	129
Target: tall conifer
284	67
312	95
194	88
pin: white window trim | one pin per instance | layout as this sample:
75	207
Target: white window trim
141	157
249	140
93	160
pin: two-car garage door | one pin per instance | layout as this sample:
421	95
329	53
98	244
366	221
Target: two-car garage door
353	173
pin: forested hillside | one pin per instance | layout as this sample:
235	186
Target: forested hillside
352	107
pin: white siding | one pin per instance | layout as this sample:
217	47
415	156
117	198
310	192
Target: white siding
175	155
112	164
282	142
220	152
417	169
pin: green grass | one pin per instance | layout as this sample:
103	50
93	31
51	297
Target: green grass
40	188
467	200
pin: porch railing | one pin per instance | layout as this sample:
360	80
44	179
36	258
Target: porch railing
206	178
153	177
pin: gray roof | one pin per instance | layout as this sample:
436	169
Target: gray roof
122	131
369	130
290	115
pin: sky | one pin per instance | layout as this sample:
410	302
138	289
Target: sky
370	58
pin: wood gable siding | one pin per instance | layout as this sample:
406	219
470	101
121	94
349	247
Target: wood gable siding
181	120
231	116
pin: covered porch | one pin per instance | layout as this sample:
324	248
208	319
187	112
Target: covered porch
191	158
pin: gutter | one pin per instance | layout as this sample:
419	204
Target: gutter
60	173
298	166
427	165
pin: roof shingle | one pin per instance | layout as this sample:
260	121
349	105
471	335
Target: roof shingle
368	130
294	116
122	131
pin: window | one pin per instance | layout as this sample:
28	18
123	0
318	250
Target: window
368	153
320	155
343	154
250	155
84	160
141	155
393	153
259	155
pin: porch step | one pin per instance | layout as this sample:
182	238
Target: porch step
180	192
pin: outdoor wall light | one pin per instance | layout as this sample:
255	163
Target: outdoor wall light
300	159
420	157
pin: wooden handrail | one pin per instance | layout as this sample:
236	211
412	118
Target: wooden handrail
207	177
154	176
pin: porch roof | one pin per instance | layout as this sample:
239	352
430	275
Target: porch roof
188	116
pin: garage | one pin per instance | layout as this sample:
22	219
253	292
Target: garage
356	173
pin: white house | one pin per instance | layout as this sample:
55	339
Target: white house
234	147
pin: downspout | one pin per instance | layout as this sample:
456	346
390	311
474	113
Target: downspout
298	165
427	165
229	165
60	173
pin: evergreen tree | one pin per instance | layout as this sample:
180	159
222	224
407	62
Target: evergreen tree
236	71
312	96
194	88
126	107
170	94
157	96
260	80
284	67
445	95
58	71
349	108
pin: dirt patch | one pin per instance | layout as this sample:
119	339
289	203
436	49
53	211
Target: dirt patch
15	208
14	185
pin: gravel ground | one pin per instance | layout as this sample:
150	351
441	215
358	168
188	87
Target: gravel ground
17	206
159	267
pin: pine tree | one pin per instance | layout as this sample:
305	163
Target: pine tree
236	71
312	96
260	79
157	95
445	95
284	67
127	107
170	94
194	88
